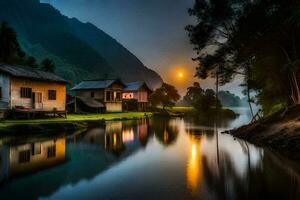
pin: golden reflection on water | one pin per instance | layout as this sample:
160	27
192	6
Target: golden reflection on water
194	171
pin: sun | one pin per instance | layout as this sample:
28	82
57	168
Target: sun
180	75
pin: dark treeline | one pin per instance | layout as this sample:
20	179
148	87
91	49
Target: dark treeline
12	53
257	39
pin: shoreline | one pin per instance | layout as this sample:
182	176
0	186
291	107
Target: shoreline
73	122
279	131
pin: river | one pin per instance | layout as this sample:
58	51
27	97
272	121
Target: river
180	158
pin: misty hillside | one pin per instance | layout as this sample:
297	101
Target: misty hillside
79	50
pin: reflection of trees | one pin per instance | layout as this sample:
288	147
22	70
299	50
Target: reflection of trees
209	120
164	131
143	131
268	181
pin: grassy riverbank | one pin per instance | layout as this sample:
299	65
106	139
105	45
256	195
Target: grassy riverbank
72	118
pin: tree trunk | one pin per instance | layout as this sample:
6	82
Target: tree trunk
296	88
217	89
248	89
249	99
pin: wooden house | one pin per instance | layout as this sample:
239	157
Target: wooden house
138	91
28	90
100	94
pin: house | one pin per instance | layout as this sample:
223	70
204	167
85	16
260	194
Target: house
28	89
138	91
100	94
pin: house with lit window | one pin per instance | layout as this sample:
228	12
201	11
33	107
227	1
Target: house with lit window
27	89
99	95
138	91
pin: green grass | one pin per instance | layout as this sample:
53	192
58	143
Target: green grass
76	118
181	109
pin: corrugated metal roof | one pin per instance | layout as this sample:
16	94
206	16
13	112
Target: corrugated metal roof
95	84
90	102
29	73
135	86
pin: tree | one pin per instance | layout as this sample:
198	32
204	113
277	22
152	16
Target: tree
166	95
206	102
193	93
257	39
10	50
48	65
31	62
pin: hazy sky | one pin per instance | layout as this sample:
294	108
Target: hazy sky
151	29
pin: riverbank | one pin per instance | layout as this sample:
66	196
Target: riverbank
183	111
280	131
72	122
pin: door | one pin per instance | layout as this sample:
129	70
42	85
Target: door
38	101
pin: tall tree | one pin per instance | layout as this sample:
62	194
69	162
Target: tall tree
166	95
9	46
48	65
193	93
257	39
31	62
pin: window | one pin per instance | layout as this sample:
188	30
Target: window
92	94
51	151
118	96
24	156
108	96
36	149
52	94
26	92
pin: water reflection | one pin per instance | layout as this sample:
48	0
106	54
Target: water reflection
165	130
19	159
194	169
144	159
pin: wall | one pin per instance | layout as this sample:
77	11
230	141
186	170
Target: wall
38	86
5	85
117	105
114	107
142	96
99	94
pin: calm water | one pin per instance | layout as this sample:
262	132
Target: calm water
147	159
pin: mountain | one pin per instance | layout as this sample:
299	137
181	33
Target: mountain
79	50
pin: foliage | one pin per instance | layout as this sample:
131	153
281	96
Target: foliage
257	39
31	62
193	93
202	100
166	95
10	51
48	65
206	102
228	99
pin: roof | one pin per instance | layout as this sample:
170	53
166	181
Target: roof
95	84
29	73
135	86
90	102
